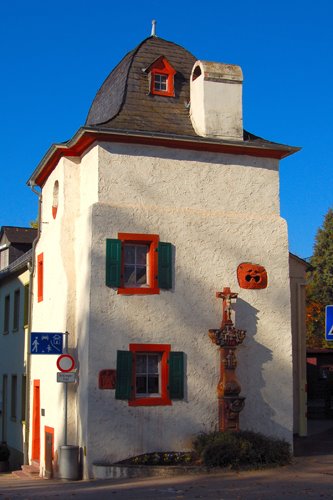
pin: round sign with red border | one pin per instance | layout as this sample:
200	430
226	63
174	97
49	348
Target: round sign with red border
65	363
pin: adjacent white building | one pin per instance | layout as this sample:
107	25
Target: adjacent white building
146	212
15	258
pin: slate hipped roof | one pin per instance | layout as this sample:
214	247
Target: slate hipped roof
123	101
123	110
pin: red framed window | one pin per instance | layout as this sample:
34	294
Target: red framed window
150	375
138	264
40	277
161	78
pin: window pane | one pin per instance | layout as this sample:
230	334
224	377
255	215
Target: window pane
153	363
141	382
141	363
141	254
129	254
129	275
160	82
141	276
153	384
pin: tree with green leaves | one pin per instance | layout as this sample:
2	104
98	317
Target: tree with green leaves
319	291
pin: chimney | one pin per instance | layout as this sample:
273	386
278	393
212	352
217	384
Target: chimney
216	100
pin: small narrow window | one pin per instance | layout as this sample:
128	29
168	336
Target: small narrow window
16	312
40	277
13	407
6	314
55	199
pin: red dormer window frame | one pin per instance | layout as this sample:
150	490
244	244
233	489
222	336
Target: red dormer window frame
161	68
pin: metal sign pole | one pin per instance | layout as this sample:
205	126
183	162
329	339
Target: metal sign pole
66	393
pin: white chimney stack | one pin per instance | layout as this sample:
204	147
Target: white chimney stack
216	100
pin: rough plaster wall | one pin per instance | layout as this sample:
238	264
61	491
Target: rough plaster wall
213	216
82	264
56	313
148	177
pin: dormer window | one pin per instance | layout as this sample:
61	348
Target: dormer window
160	83
161	77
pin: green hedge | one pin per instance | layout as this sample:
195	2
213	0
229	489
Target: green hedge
241	449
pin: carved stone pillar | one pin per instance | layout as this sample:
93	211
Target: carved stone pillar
230	403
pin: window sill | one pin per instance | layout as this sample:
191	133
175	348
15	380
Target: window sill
163	401
138	291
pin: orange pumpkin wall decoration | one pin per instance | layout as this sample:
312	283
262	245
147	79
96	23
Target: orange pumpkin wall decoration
251	276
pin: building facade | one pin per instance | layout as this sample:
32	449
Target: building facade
15	243
158	202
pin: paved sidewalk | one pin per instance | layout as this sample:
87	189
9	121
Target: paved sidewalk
309	476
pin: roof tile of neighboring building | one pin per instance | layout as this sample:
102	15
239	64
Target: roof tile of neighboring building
18	265
18	234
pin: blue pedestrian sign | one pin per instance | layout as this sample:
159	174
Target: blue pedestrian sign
329	323
46	343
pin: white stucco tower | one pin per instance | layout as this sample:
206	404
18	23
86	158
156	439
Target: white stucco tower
156	203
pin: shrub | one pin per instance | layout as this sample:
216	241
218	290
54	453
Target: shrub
4	452
161	458
241	449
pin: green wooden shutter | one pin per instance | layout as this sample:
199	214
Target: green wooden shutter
113	263
176	375
164	265
124	375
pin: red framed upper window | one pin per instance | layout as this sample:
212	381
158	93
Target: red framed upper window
138	264
161	77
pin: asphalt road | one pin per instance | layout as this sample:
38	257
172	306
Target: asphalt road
309	476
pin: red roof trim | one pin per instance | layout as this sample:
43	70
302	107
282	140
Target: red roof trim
78	145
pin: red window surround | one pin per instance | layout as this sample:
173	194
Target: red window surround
161	68
152	274
164	398
40	277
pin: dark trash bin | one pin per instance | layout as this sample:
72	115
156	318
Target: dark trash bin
69	463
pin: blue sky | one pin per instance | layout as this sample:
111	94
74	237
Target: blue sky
56	54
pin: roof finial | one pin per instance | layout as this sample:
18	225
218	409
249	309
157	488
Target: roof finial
153	28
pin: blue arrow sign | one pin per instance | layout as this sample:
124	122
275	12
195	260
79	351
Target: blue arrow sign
329	322
46	343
